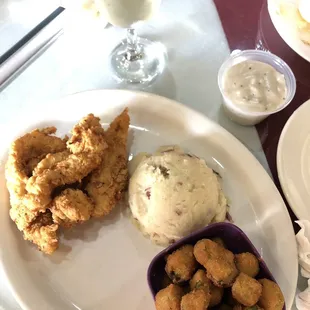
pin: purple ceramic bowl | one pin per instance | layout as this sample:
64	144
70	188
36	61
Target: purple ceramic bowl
234	238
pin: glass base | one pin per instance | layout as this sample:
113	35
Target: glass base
143	65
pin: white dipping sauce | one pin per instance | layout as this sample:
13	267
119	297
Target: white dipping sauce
124	13
254	86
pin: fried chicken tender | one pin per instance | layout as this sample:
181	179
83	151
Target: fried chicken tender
218	261
43	232
85	152
198	299
21	215
181	264
72	206
108	182
246	290
247	263
25	153
169	298
272	297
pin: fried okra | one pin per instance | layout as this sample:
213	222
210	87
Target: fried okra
198	299
247	263
181	264
219	262
246	290
199	280
271	297
169	298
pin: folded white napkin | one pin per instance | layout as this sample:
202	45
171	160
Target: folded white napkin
303	241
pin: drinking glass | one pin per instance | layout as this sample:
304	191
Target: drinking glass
135	59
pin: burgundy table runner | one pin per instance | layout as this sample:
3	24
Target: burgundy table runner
247	25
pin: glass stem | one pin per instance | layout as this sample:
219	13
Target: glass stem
133	48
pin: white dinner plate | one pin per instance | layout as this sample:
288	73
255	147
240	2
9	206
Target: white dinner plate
287	30
293	161
103	264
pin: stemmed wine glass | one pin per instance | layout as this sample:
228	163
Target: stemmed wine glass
135	59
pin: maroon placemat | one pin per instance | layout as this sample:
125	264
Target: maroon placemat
247	25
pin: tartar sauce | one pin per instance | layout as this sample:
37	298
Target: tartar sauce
255	86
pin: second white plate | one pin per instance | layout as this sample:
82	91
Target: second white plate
293	161
287	30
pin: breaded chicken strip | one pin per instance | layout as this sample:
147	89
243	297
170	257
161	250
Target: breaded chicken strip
25	153
43	233
108	182
72	206
21	215
85	153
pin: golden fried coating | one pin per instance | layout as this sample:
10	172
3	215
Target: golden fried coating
72	206
247	263
218	261
219	241
21	215
87	145
181	264
87	137
169	298
198	299
46	175
216	295
24	154
199	280
43	232
272	297
108	182
246	290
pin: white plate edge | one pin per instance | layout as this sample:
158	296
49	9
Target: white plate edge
226	134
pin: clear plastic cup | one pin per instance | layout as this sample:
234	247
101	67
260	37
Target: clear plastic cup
245	117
